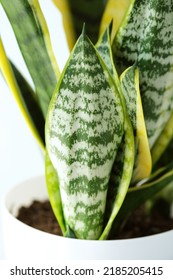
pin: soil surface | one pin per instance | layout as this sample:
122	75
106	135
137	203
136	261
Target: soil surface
40	216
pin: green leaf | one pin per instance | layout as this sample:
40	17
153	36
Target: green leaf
123	165
32	106
84	128
24	96
54	193
103	47
120	178
32	35
130	87
146	37
166	157
163	142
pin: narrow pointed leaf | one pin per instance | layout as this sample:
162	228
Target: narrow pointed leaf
32	35
146	37
84	129
103	46
123	165
120	178
24	96
130	88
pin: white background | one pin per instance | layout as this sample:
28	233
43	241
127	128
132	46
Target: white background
20	157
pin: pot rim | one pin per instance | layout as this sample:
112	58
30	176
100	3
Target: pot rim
4	207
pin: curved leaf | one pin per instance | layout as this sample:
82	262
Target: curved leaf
130	87
24	96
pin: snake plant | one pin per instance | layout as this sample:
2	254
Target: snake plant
105	124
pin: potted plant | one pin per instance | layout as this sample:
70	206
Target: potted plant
106	121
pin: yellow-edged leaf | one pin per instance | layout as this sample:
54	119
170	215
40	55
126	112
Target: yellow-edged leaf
144	162
7	72
115	10
130	86
42	22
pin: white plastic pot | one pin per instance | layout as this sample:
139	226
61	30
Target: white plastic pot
24	242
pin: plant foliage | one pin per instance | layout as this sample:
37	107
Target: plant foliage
108	115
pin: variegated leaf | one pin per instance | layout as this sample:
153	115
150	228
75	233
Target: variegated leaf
146	37
32	35
120	178
130	88
84	129
123	165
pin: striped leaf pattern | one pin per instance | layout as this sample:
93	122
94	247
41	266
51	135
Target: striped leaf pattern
84	129
120	178
123	165
32	35
146	37
103	46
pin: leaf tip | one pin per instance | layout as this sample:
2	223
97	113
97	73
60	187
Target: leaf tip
84	29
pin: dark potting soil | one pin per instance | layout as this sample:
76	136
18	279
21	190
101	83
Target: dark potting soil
40	216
